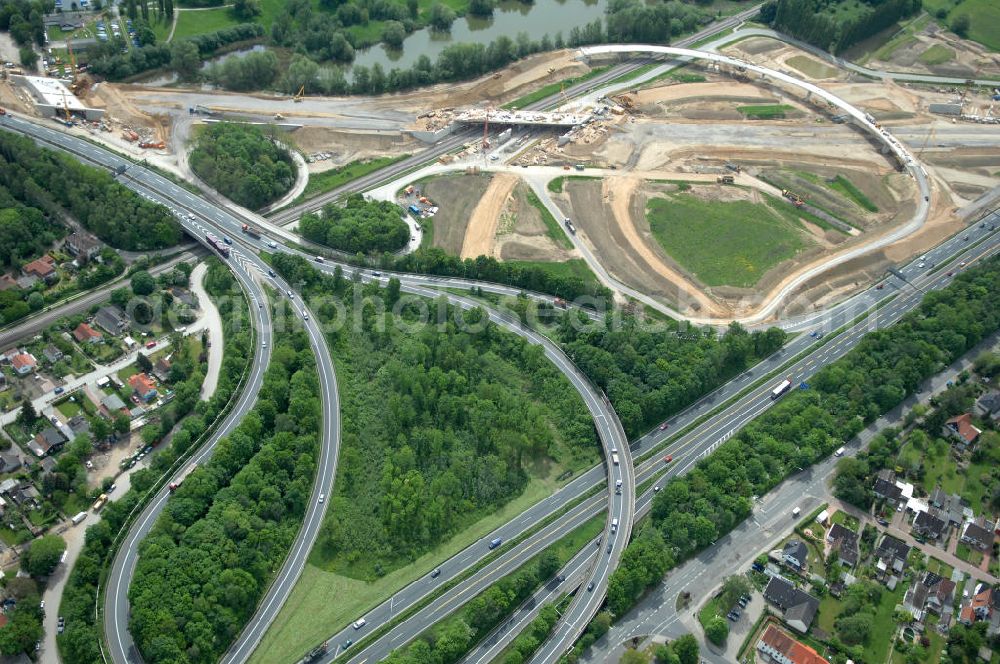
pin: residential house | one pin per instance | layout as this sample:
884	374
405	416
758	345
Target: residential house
185	297
961	430
844	541
48	441
795	554
886	488
162	369
951	507
8	485
23	363
52	354
111	319
84	247
930	593
799	607
42	268
978	534
79	425
10	462
891	554
983	606
778	646
48	465
111	405
85	334
26	494
143	386
928	525
988	405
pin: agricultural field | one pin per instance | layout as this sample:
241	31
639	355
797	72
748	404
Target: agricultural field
723	243
984	18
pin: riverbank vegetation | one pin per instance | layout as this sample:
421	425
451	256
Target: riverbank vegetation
79	643
693	511
357	226
243	164
448	425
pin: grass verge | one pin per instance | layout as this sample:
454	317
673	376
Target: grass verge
552	88
765	111
844	186
574	267
320	183
552	227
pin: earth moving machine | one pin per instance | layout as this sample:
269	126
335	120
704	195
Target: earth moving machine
298	95
315	653
725	179
793	197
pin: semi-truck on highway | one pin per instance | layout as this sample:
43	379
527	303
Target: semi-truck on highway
251	231
569	226
782	387
217	244
183	476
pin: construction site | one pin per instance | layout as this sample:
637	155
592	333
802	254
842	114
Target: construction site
640	170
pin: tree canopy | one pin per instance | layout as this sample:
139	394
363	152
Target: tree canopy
357	226
56	182
243	164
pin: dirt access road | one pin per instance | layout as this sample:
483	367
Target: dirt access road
480	235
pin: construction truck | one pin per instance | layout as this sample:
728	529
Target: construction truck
625	102
569	226
101	502
130	136
725	179
793	197
251	231
155	145
736	168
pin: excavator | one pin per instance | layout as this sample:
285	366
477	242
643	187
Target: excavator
298	95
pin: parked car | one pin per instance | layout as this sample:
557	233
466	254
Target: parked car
59	390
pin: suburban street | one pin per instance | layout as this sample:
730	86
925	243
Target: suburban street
656	616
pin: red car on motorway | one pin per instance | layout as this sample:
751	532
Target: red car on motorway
663	427
668	458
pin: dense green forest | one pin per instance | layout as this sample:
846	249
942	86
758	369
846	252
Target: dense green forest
835	25
55	183
25	232
243	164
694	510
357	226
440	426
650	375
190	597
79	643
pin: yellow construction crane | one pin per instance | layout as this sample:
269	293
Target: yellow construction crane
72	58
298	95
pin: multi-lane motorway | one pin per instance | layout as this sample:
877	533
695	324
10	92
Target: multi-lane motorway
591	568
249	269
248	266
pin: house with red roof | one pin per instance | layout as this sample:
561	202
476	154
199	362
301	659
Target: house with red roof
962	431
43	268
143	386
86	334
23	363
778	646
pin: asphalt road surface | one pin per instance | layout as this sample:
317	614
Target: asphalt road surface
685	451
207	216
249	270
44	318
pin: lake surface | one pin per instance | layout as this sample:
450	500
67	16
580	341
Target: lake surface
544	17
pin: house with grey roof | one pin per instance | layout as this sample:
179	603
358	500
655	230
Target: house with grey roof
988	405
799	607
111	319
844	541
795	554
112	404
928	525
978	534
